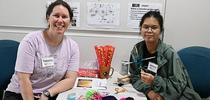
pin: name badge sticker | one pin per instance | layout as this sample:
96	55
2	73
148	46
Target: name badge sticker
47	62
152	67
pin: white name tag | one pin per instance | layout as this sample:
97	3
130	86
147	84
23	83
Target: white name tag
47	61
152	67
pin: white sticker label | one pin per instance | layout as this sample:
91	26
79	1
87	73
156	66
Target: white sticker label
47	61
152	67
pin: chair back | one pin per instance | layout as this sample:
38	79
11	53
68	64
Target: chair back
197	62
8	54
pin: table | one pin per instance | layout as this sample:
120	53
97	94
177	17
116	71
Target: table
131	92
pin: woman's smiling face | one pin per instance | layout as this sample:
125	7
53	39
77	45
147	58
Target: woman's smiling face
59	19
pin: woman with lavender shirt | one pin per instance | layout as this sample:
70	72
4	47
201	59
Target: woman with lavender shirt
47	60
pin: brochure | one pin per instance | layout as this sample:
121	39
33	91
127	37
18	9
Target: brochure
93	83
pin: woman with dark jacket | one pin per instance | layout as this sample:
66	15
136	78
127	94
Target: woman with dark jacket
156	69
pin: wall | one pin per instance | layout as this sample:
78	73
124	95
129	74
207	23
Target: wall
186	24
122	42
31	13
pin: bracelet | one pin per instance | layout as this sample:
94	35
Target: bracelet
46	93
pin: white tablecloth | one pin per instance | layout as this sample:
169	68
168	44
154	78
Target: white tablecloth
110	89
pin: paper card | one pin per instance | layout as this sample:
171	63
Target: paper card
152	67
94	83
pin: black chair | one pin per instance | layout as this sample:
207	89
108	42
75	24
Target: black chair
197	62
8	53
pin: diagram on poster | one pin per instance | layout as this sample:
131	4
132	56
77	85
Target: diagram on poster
103	14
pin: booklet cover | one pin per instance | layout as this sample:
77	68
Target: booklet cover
94	83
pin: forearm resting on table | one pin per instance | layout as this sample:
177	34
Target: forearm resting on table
64	84
25	86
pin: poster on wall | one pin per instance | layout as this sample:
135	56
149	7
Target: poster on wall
105	15
136	10
75	6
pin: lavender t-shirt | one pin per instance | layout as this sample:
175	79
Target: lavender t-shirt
32	49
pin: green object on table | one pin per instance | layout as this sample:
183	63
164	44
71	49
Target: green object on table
89	94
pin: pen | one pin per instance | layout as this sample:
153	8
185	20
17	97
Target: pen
148	58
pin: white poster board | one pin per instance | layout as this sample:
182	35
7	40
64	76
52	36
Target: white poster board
110	15
103	14
137	9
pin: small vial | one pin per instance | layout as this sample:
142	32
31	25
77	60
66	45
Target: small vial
71	96
124	67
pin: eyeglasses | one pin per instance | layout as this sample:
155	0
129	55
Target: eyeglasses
152	28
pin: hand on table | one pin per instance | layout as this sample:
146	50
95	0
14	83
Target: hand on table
154	96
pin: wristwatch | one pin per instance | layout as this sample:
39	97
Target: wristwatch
46	93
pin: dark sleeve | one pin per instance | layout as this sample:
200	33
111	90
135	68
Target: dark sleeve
136	81
172	86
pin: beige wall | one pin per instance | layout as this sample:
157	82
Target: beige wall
186	24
